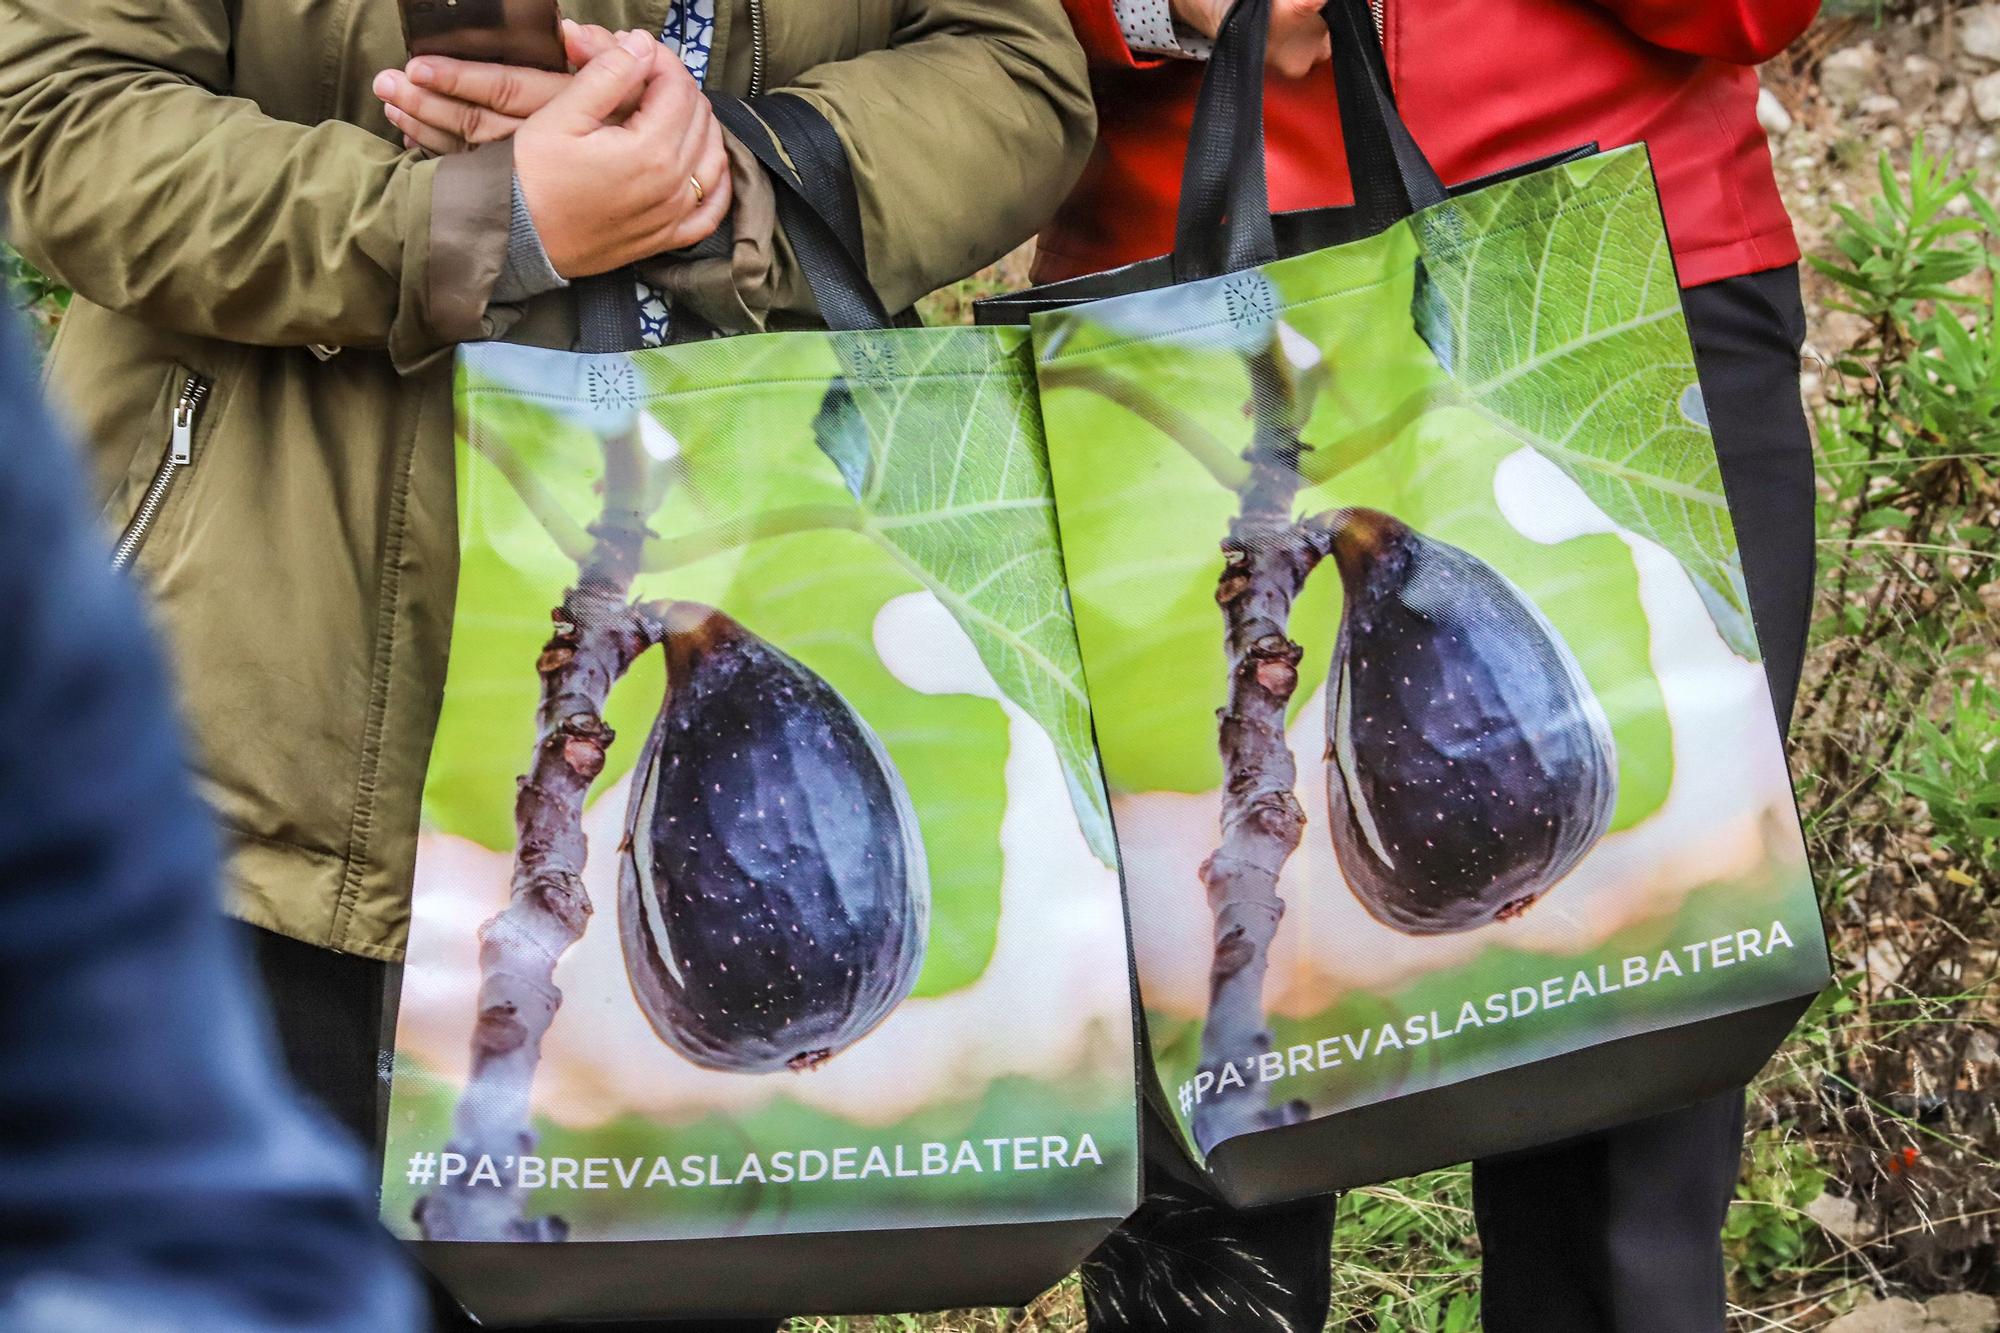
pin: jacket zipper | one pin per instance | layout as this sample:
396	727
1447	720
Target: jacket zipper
180	454
756	47
1375	11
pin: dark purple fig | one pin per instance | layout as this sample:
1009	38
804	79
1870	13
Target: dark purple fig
1469	766
774	898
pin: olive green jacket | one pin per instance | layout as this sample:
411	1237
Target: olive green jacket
218	184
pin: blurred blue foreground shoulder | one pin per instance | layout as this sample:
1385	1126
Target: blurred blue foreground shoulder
155	1172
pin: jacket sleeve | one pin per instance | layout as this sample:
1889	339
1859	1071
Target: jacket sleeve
131	175
966	133
1743	32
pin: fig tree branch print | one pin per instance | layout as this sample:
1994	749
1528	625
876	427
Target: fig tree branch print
1266	559
597	637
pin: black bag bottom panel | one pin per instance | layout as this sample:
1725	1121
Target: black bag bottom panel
507	1285
1509	1110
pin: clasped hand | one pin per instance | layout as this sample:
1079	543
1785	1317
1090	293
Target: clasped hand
1298	40
619	161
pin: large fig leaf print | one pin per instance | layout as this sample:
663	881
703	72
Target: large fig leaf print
1565	329
940	442
1152	421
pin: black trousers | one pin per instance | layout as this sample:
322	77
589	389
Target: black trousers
1615	1232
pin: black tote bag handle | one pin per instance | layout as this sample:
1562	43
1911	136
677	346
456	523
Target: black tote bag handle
817	203
1224	221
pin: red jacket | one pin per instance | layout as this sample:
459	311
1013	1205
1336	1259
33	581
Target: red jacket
1484	85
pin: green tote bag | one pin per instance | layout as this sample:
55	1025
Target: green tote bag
1453	814
767	952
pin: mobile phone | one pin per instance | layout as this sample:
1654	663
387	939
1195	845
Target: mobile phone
506	32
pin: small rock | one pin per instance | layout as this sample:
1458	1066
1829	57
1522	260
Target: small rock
1880	104
1850	74
1962	1312
1954	106
1838	1217
1986	97
1885	962
1771	113
1979	32
1984	1048
1917	79
1894	1315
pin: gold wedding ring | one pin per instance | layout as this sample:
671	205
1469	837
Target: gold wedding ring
699	193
